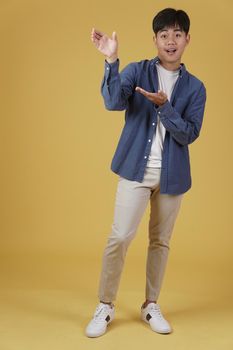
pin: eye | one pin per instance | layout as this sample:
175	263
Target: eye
178	34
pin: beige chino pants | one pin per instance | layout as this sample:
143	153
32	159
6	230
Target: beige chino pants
131	201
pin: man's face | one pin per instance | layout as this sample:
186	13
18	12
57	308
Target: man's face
170	43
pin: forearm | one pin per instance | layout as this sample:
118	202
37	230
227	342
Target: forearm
184	129
116	87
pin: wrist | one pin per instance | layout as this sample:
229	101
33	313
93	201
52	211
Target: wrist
111	59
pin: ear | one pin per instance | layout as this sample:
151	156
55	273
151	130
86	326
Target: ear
187	39
154	39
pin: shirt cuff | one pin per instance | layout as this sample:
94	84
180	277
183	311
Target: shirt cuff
165	109
112	67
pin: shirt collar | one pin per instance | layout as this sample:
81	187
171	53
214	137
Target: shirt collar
182	68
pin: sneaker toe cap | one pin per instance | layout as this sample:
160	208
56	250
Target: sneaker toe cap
93	330
162	327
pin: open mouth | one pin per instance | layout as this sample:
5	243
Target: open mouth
171	51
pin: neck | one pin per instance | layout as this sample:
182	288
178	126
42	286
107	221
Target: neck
170	65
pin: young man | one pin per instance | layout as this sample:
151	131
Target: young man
164	106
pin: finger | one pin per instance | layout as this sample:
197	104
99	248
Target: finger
160	97
97	36
142	91
94	40
93	34
162	93
97	32
114	36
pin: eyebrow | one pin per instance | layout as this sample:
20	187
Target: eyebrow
175	30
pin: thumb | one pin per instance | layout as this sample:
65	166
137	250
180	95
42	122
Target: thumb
114	36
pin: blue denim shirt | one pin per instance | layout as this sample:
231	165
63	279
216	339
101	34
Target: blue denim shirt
182	118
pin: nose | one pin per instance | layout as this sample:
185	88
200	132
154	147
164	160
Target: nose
171	39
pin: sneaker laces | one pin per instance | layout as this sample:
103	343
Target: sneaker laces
100	313
155	310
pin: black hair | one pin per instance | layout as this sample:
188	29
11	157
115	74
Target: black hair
170	17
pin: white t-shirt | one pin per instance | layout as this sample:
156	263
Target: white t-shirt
166	80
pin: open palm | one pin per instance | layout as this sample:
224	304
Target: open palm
107	46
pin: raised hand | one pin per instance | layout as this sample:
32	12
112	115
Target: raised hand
107	46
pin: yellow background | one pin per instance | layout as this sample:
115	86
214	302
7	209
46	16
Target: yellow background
57	189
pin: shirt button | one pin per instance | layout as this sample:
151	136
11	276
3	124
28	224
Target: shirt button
149	140
145	157
107	68
153	124
159	112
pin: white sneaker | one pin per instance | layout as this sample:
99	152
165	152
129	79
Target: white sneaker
103	315
152	314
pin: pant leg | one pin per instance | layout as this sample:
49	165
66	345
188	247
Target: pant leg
164	211
131	201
